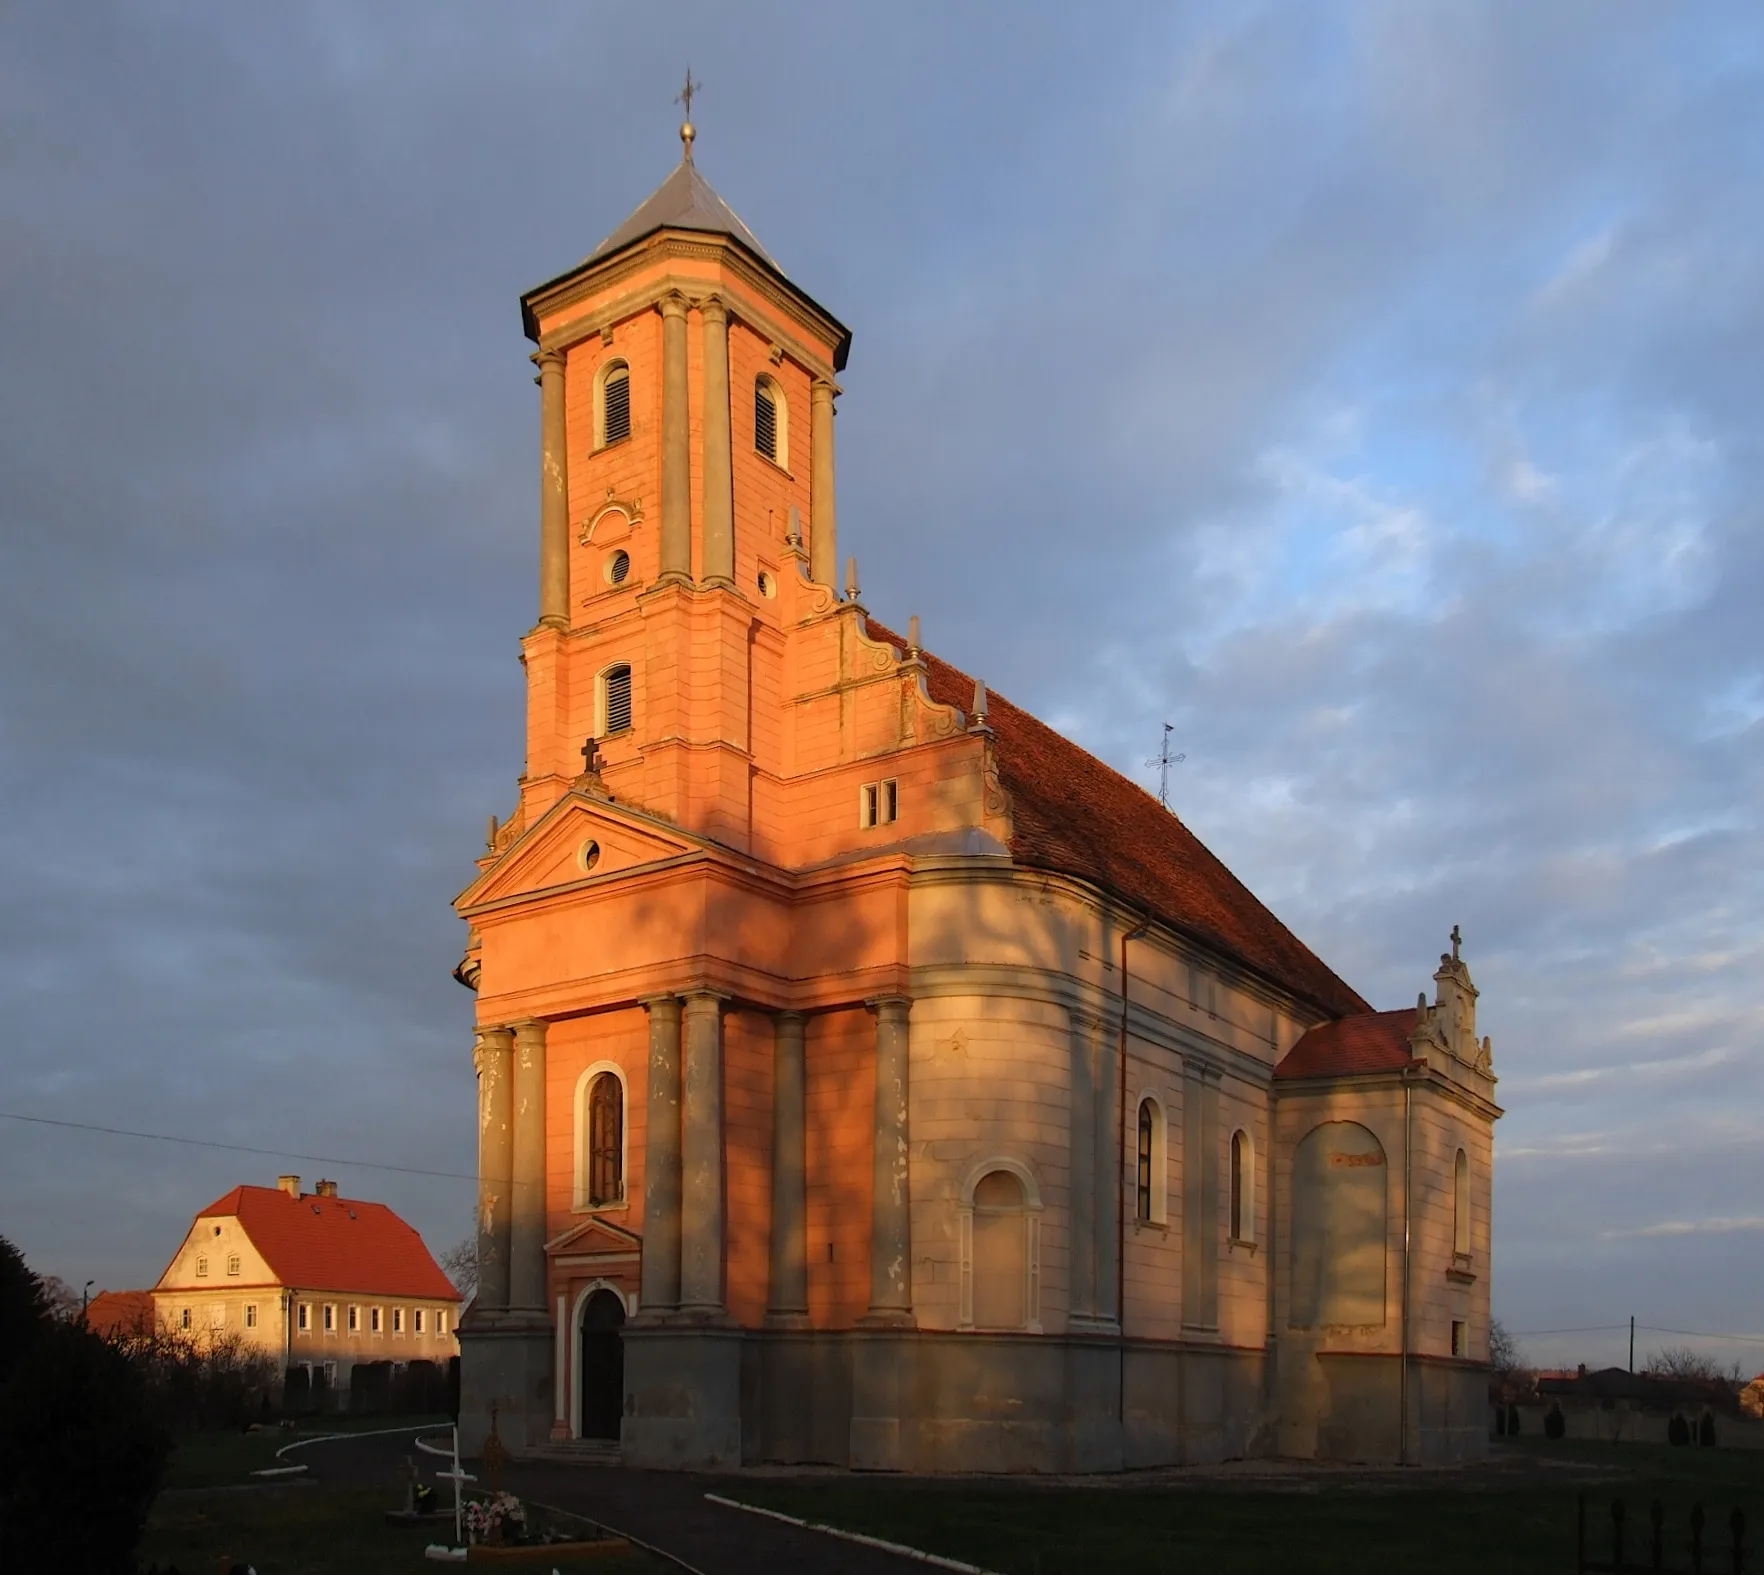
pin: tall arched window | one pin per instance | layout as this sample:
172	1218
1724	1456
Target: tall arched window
1461	1205
612	403
1148	1175
771	421
1243	1187
614	700
600	1136
606	1140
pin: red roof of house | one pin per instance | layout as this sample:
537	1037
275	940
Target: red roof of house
1366	1042
314	1243
121	1312
1072	814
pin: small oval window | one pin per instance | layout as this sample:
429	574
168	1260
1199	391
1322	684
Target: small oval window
618	567
768	584
589	854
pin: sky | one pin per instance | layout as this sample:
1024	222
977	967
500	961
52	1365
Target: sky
1370	391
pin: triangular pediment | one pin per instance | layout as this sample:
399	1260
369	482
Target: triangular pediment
579	840
594	1237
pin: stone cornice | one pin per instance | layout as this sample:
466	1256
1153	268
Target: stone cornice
693	247
1389	1081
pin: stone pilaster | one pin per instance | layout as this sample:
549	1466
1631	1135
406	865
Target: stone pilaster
676	452
787	1300
493	1056
1081	1031
554	497
891	1239
701	1158
1110	1196
718	512
661	1164
823	512
526	1278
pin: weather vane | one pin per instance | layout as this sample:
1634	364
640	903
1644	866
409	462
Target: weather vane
1163	760
687	130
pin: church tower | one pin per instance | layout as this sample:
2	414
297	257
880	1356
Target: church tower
866	1074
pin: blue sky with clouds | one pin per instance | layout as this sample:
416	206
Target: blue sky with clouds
1369	390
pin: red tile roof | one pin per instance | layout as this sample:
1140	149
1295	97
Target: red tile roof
316	1243
121	1312
1369	1042
1075	816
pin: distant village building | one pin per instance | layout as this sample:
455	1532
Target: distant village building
317	1281
867	1074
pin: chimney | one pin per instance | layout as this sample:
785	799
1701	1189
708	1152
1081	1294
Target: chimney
327	1189
289	1185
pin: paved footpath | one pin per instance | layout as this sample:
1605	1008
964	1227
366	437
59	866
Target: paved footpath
665	1509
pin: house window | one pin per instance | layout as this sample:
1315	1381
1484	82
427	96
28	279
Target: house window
232	1263
1148	1191
398	1320
330	1371
1460	1337
879	804
354	1319
606	1140
771	421
1243	1187
303	1317
612	410
1461	1205
184	1318
374	1324
330	1318
202	1268
440	1322
615	700
416	1321
999	1253
251	1315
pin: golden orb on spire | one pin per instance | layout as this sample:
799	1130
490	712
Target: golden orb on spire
687	130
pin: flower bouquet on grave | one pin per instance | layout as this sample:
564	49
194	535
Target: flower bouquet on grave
498	1521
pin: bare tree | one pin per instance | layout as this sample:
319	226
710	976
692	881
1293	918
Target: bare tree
62	1300
460	1264
1504	1355
1680	1361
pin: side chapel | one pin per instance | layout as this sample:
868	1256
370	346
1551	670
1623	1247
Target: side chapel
866	1074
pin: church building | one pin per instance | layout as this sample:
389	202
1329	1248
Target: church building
866	1074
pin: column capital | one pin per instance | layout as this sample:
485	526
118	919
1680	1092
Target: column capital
822	391
890	1008
673	304
528	1029
703	994
491	1042
714	308
791	1016
666	1000
550	361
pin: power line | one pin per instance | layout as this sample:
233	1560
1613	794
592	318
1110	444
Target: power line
234	1148
1703	1334
1591	1328
1650	1328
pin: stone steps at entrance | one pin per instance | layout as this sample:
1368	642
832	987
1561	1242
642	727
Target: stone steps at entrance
579	1451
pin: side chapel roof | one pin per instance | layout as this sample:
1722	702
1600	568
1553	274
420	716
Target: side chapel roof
314	1243
1072	814
1363	1042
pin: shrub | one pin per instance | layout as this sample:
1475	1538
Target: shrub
1706	1431
1554	1425
1512	1419
1677	1430
81	1454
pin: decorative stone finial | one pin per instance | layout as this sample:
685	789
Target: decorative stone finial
979	718
687	130
490	834
913	635
1457	941
851	580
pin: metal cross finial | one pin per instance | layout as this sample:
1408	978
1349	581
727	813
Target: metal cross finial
687	130
1457	941
589	750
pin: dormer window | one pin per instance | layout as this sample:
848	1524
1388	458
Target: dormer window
615	700
612	404
771	425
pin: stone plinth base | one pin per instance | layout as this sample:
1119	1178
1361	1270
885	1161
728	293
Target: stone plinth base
506	1363
683	1395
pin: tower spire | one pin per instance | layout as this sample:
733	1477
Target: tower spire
687	130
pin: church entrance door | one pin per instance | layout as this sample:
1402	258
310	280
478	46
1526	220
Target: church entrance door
602	1364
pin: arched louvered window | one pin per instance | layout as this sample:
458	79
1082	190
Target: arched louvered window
612	410
615	700
1147	1136
771	421
606	1140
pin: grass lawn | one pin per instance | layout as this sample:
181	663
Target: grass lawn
313	1530
1517	1515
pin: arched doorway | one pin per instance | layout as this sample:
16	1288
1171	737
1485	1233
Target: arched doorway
602	1364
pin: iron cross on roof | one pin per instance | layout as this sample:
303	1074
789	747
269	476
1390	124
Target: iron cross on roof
590	750
687	130
1457	941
